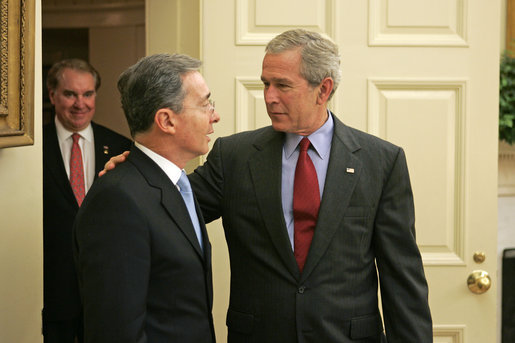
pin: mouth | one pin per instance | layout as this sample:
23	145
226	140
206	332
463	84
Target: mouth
79	114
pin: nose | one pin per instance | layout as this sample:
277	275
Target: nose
215	117
270	94
79	101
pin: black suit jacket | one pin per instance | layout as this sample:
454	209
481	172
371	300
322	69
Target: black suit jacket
366	217
142	274
61	296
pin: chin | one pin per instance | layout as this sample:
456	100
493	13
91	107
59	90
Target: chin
279	126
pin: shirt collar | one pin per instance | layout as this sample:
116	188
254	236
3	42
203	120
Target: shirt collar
63	133
171	170
320	139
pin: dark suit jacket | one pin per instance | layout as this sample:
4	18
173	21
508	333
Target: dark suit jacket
366	217
61	296
142	274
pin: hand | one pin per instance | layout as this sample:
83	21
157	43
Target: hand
113	162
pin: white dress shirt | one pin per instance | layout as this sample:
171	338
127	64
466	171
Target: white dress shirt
171	170
87	147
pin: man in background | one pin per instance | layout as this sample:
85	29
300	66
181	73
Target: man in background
142	252
74	150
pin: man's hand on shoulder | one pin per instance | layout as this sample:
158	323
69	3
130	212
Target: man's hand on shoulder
113	162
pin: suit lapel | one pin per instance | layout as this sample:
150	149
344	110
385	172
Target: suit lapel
171	198
342	174
265	169
53	161
102	149
206	243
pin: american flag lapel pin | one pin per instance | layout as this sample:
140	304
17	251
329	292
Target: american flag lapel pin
350	170
106	150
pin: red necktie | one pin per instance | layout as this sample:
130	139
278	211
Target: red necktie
77	170
306	202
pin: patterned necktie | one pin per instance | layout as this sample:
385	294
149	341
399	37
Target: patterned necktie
187	195
306	202
77	170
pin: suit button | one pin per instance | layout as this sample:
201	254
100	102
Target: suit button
302	289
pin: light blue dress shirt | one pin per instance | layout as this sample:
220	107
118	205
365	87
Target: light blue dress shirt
319	152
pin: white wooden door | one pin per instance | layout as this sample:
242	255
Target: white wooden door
422	74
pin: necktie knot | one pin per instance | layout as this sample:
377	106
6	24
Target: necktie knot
184	183
304	144
75	137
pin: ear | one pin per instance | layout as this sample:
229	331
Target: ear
324	91
51	94
165	120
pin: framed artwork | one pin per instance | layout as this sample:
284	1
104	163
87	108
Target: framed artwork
17	19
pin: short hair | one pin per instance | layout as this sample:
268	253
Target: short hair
56	72
319	55
154	82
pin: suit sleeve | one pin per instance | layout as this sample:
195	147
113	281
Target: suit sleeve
404	289
207	183
112	252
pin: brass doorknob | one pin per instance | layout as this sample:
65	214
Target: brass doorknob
479	282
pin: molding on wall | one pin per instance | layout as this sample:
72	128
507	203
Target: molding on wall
100	15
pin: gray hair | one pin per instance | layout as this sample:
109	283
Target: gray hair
56	72
154	82
319	55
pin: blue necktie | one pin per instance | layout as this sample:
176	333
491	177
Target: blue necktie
187	195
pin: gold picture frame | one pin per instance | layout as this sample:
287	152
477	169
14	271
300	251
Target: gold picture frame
17	31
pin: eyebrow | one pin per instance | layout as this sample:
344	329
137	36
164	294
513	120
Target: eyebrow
74	92
206	97
276	79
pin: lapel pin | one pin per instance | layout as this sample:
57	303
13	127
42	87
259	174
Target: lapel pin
106	150
350	170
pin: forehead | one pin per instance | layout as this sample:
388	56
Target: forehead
195	85
282	65
71	78
283	68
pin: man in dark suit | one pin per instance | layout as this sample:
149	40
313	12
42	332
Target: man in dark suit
362	230
142	253
72	86
312	228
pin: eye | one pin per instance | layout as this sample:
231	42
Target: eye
89	94
68	94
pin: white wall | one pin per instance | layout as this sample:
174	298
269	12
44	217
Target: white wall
21	229
111	51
